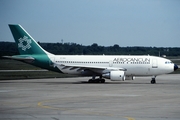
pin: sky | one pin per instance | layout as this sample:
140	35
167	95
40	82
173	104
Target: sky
149	23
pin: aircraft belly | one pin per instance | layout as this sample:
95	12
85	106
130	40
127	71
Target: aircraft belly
161	71
138	71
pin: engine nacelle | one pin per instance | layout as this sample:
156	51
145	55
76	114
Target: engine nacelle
115	75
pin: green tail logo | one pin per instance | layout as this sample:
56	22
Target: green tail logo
24	43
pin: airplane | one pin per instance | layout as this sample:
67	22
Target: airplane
115	68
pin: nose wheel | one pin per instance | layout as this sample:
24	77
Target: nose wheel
153	81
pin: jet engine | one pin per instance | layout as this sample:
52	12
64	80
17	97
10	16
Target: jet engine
115	75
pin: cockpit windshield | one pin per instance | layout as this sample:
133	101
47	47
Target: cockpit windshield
168	62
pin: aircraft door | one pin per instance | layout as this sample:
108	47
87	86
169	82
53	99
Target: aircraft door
110	63
154	63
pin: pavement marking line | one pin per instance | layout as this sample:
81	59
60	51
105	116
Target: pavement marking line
129	118
40	104
44	106
16	104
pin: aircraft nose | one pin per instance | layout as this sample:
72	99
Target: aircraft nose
175	67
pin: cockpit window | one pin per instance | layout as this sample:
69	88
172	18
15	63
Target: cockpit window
168	62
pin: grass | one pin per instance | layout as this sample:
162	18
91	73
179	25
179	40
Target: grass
31	75
8	64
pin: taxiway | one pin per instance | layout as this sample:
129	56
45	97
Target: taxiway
75	99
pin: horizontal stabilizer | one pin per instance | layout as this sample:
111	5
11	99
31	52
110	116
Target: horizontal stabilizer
20	58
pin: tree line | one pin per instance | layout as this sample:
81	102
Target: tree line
9	48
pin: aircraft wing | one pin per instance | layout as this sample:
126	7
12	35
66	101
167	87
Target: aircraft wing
97	69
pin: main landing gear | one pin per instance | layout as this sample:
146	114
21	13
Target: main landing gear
96	81
153	81
99	80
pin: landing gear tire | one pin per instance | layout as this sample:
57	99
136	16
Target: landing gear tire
102	80
153	81
90	81
96	81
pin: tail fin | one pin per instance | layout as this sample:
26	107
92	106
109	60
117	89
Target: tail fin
25	43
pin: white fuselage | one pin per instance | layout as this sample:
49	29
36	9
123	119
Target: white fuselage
111	67
134	65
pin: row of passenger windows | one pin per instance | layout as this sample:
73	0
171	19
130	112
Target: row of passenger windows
131	62
102	62
82	62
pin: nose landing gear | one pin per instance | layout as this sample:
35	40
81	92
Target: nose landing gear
153	81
